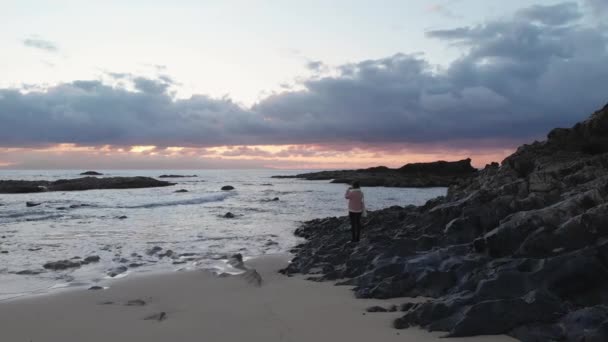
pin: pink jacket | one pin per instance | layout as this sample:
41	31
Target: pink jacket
355	200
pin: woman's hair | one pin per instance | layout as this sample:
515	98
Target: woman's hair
356	185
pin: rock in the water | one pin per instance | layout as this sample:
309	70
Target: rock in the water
154	250
92	258
91	173
227	187
32	204
168	253
95	288
181	191
229	215
78	184
116	271
177	176
29	272
61	265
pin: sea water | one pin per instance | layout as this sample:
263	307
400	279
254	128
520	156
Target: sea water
121	225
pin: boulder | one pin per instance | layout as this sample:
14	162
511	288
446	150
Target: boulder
32	204
116	271
61	265
92	258
227	187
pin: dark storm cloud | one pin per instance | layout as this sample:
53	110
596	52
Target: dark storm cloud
89	112
41	44
516	80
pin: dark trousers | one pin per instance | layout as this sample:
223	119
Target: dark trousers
355	225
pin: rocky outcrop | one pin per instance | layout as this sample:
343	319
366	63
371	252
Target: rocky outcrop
418	175
177	176
61	265
91	173
519	249
78	184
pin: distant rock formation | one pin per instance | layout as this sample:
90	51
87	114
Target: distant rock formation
519	249
177	176
418	175
91	173
78	184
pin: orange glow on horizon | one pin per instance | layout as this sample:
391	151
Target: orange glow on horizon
142	148
267	156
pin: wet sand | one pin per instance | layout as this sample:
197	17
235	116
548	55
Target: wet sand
198	306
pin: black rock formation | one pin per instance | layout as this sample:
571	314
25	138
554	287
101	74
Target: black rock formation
91	173
177	176
520	249
78	184
418	175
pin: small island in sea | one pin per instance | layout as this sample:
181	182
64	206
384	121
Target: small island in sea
416	175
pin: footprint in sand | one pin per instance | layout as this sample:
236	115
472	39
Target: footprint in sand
159	316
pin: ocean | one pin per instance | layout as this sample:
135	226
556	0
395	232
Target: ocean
121	226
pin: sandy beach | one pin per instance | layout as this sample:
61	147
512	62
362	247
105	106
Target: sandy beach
198	306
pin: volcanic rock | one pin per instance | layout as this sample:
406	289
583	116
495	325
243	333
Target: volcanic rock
519	248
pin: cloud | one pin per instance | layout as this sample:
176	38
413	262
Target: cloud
559	14
598	6
41	44
443	10
516	79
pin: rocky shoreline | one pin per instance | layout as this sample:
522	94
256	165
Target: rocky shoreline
521	248
79	184
416	175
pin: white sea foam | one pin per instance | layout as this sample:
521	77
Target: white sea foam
121	225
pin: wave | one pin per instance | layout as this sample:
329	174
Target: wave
199	200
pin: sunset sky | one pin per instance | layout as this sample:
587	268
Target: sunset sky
292	84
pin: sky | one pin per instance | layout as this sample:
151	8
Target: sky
292	84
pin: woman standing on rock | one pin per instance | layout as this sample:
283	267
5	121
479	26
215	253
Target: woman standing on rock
356	207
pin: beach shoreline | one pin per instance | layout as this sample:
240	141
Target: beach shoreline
197	305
